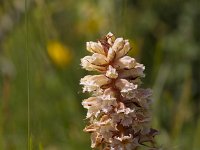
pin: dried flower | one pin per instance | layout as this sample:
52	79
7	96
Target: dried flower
119	111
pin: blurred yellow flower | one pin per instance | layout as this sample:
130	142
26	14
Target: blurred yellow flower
59	53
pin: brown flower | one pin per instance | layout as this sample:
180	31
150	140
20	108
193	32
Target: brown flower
118	112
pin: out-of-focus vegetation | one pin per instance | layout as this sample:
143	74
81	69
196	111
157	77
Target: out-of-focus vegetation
165	35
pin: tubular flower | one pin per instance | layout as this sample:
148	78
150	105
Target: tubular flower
119	110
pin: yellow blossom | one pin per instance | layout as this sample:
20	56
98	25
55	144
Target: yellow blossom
59	53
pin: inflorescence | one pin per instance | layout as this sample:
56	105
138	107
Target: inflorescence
119	110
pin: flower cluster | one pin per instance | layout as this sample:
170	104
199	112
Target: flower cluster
119	110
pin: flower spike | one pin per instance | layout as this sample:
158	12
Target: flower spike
119	110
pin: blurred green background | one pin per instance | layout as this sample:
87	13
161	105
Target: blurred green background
165	36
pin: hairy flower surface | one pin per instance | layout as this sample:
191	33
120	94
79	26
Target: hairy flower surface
119	110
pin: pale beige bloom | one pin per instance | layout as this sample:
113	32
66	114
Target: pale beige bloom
119	49
108	102
110	38
93	83
124	50
132	73
98	104
96	59
107	128
111	54
124	143
118	44
92	104
125	62
104	127
86	64
95	47
111	72
123	116
119	111
127	88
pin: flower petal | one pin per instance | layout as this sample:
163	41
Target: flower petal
94	82
111	72
125	62
111	55
86	63
124	50
134	73
127	89
118	44
95	47
111	38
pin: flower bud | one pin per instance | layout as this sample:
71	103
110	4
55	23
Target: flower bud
95	47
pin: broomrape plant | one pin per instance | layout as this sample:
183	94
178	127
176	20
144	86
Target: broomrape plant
119	110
